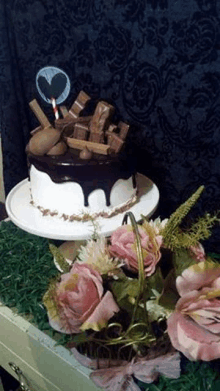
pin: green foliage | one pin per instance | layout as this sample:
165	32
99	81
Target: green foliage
200	230
124	286
177	217
170	296
80	338
181	260
154	283
125	292
59	258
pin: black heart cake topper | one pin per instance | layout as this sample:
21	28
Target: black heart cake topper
53	83
53	89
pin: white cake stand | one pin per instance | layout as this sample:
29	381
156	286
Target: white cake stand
30	219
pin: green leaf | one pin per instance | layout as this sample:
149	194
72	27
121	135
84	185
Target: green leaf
155	283
155	311
170	295
182	260
80	338
214	256
125	288
59	258
215	386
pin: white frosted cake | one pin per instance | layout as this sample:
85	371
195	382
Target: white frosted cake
75	189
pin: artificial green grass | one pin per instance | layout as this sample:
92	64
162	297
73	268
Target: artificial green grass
26	267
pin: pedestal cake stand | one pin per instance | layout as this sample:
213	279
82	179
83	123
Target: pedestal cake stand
30	219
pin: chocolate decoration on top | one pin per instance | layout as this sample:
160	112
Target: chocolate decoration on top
85	154
94	132
69	167
45	137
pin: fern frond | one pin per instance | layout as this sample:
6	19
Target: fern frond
177	217
199	231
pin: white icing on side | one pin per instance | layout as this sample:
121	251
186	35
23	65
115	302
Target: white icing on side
68	198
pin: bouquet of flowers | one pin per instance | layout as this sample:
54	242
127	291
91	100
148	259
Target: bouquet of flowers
132	302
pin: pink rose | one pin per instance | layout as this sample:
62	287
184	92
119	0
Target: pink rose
123	246
79	302
194	327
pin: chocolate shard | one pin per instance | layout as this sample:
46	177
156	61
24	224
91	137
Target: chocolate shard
97	137
64	111
123	130
67	124
102	149
79	104
80	131
39	114
112	128
101	118
115	142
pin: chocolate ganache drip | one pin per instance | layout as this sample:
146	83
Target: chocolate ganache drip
100	172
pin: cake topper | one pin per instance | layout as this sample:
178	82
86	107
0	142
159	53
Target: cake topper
53	85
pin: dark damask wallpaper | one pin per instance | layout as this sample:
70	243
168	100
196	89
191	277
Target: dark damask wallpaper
157	60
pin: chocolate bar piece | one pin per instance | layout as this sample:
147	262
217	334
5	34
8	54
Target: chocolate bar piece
101	118
124	128
79	104
39	114
66	124
80	131
112	128
115	142
97	137
64	111
103	149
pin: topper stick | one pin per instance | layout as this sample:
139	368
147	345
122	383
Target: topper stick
55	108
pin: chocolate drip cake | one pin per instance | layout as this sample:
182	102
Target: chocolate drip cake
85	179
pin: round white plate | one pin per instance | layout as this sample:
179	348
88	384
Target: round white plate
30	219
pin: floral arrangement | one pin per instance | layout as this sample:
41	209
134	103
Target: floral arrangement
132	302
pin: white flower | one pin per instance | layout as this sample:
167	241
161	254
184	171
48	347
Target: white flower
96	254
158	224
156	312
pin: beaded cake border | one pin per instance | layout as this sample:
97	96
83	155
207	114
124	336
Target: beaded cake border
86	216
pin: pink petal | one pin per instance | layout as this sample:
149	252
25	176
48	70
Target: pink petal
67	326
216	283
114	379
197	276
192	340
102	313
159	240
124	229
149	370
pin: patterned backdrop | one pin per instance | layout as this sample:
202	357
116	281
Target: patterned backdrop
158	61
